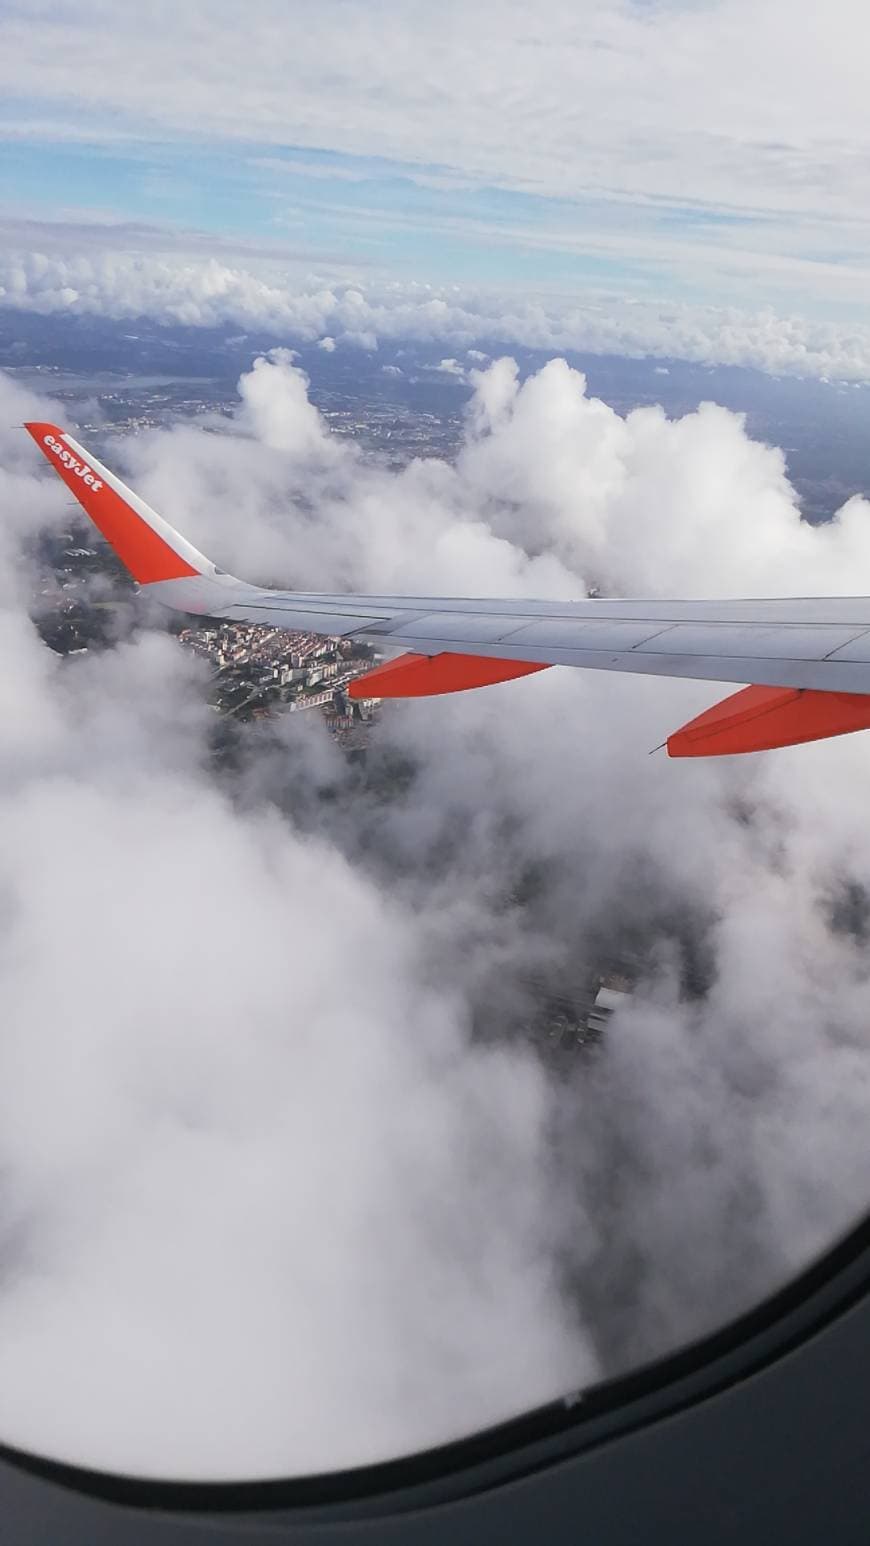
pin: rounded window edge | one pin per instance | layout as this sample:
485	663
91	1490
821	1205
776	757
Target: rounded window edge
566	1427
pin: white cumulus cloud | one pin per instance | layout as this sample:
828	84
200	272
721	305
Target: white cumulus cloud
276	1151
206	292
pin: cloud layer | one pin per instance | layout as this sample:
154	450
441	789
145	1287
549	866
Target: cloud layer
725	103
276	1154
193	291
706	163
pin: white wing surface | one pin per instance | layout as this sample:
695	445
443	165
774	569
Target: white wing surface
809	646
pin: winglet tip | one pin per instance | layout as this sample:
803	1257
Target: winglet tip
145	544
39	430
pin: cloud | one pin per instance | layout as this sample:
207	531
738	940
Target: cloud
355	338
644	155
598	99
275	1145
451	368
227	1184
191	291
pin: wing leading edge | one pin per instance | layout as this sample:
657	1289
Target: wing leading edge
814	650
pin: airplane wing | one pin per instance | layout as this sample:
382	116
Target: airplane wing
807	658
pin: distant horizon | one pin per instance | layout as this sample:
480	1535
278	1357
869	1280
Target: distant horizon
619	171
821	426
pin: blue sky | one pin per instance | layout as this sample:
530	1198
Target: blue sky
691	153
357	210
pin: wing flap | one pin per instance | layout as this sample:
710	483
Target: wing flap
424	676
763	719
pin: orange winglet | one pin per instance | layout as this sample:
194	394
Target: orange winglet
140	548
422	676
757	719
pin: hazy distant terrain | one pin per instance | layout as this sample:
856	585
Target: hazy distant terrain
402	401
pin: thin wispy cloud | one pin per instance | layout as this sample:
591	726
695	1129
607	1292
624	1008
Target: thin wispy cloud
699	150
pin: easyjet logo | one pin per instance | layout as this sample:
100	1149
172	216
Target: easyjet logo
79	469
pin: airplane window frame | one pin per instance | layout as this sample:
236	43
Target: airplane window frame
566	1428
